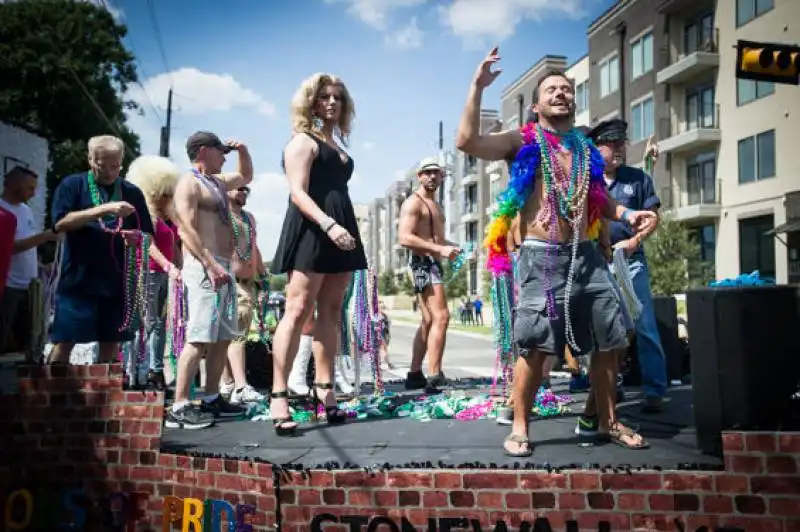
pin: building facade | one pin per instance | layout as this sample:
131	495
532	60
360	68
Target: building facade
578	72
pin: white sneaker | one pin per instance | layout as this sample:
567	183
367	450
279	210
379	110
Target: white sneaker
340	379
297	376
227	389
248	394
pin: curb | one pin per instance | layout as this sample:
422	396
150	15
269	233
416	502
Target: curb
402	323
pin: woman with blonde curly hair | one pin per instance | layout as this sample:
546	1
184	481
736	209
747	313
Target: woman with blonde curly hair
320	245
157	178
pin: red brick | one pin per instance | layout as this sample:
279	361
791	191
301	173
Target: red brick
760	442
231	466
447	480
98	370
542	481
731	484
631	481
740	463
490	500
399	479
543	500
686	502
660	502
435	499
749	504
717	504
462	499
776	484
212	464
308	497
389	498
229	482
584	481
589	520
600	500
732	441
356	479
359	497
152	474
783	506
333	497
518	501
687	482
631	501
490	481
408	498
782	464
789	443
571	501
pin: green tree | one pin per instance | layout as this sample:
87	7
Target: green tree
457	285
405	286
277	283
387	284
64	69
673	259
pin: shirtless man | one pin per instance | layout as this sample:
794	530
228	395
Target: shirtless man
251	276
204	221
421	231
547	258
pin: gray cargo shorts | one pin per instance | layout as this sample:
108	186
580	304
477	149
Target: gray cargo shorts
212	315
597	319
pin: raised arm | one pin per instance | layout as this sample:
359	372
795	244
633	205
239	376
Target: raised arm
244	175
407	227
494	146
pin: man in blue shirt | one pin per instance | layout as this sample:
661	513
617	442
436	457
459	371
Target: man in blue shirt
634	189
90	298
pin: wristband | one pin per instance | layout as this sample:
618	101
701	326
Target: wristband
625	214
327	223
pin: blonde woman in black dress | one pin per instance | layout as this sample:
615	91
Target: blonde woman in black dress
320	245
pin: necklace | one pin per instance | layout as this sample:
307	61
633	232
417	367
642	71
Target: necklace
217	191
243	230
98	196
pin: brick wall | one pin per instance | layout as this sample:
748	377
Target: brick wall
75	427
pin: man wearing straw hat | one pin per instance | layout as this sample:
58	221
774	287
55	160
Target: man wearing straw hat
421	230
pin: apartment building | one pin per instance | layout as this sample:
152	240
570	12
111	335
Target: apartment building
578	72
363	219
730	185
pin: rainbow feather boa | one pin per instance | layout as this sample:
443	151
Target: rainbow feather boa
520	186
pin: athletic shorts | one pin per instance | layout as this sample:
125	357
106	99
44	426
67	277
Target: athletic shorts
83	318
245	306
596	315
212	314
425	271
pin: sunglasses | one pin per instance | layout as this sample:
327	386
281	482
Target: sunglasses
244	190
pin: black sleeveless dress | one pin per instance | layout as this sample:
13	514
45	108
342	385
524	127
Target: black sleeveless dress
303	245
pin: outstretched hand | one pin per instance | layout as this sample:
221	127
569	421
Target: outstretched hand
641	221
484	76
651	149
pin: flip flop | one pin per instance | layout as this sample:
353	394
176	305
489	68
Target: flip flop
521	440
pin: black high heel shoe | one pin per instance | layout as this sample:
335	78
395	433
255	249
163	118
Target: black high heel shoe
280	424
333	414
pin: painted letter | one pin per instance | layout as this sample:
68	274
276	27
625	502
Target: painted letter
382	520
172	511
214	518
447	524
76	512
192	515
244	519
11	521
316	523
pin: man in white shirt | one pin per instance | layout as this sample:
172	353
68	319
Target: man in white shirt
19	186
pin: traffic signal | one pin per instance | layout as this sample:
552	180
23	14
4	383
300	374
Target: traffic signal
778	63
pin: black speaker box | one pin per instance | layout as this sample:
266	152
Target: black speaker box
258	365
666	312
744	359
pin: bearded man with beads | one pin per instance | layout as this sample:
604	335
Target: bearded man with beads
565	296
100	213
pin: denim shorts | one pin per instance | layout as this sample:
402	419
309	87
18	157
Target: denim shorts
596	316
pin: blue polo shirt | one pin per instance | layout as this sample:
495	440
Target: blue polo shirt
634	189
93	259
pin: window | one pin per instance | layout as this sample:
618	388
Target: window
700	109
701	179
609	76
471	234
757	250
706	239
747	10
642	55
471	199
698	36
582	97
748	90
757	157
473	277
642	119
469	164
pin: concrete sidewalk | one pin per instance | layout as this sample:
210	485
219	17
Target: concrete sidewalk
408	318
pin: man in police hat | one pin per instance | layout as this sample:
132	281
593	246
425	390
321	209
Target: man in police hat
634	189
421	231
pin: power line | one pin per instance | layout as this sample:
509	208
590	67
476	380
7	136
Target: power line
161	48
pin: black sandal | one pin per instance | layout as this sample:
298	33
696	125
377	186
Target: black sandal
520	440
280	424
333	414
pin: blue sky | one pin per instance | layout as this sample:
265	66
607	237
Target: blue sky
235	65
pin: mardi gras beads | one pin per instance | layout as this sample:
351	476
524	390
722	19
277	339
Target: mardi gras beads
217	191
244	231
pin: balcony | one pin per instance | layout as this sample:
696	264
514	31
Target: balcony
470	179
686	136
471	213
699	202
686	66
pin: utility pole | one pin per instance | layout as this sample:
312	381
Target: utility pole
167	130
442	162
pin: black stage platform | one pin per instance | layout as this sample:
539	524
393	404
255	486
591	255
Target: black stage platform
399	441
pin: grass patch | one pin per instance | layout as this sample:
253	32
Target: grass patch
476	329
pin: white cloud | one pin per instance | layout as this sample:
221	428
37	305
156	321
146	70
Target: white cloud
368	145
475	24
376	13
406	38
269	196
200	92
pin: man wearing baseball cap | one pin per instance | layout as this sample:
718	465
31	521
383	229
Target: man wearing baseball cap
204	219
421	230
